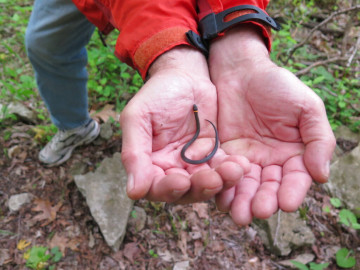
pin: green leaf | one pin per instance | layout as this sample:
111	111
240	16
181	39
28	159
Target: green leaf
57	254
343	258
316	266
299	265
37	255
348	218
335	202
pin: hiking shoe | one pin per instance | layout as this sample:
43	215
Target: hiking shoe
59	149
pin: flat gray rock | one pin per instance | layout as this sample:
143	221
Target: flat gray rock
344	180
105	193
283	232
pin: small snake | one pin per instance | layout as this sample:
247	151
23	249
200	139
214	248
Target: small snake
186	146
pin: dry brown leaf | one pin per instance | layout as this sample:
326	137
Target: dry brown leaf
131	250
182	243
48	212
60	242
63	242
105	113
202	209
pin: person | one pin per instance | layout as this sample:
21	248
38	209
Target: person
273	130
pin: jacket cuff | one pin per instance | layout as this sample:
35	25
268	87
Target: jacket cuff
148	50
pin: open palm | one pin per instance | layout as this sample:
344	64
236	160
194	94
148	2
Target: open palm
280	125
159	121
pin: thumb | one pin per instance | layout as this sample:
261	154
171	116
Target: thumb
136	152
319	141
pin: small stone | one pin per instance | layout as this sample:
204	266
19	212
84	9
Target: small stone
20	110
106	131
91	243
137	219
18	200
183	265
302	258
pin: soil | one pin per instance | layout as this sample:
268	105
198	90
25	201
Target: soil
196	235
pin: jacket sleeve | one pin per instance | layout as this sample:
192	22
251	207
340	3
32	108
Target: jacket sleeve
147	28
216	6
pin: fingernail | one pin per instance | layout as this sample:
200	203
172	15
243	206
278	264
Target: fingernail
176	193
130	183
212	191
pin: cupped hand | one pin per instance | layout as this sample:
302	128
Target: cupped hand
272	118
159	121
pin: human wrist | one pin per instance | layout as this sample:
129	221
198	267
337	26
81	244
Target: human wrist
181	58
241	46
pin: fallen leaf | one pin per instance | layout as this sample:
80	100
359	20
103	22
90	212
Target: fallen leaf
4	256
39	134
22	244
202	209
131	250
182	243
48	212
105	113
63	242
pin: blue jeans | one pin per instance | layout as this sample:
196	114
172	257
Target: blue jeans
55	42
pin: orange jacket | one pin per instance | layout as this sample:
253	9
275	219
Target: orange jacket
149	28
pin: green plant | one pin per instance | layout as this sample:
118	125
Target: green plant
344	258
335	202
348	218
153	254
109	79
43	134
39	257
311	266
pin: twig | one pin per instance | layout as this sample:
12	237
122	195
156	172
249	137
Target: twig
277	227
320	63
357	45
331	16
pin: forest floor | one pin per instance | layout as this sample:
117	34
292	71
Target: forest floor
197	235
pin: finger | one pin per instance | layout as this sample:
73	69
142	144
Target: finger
169	188
205	184
319	141
241	211
232	169
224	199
265	202
295	183
136	152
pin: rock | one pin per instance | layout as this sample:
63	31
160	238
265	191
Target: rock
344	179
343	132
106	131
346	140
183	265
20	110
17	201
105	193
302	258
137	219
283	232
